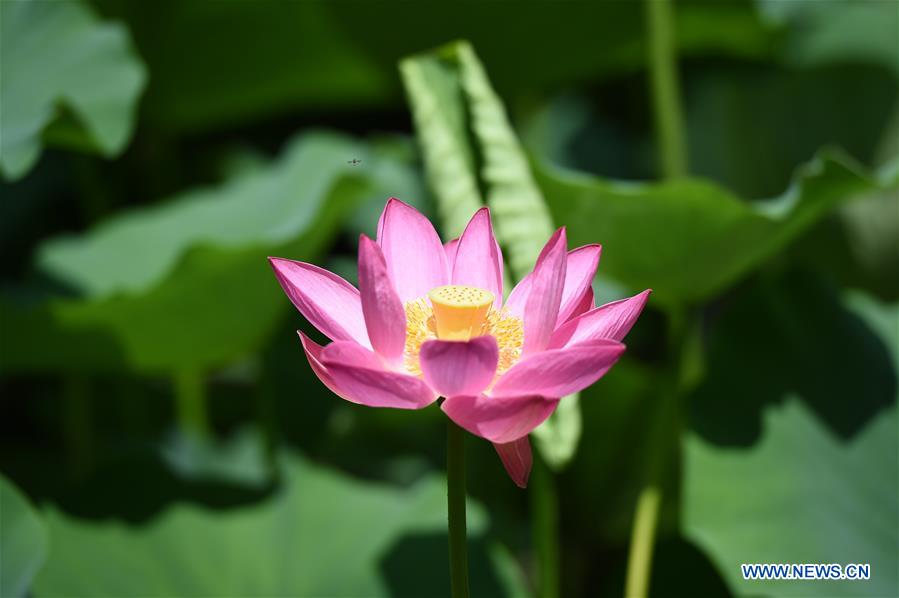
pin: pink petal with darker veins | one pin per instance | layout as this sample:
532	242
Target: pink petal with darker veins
382	309
545	295
479	261
459	368
580	269
581	264
499	419
586	304
450	247
360	378
560	372
517	459
330	303
350	353
313	354
416	260
611	321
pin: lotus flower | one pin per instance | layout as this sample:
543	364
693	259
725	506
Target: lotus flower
428	321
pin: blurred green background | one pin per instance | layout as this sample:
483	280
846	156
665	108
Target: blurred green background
162	433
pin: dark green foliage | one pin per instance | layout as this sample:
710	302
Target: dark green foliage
154	154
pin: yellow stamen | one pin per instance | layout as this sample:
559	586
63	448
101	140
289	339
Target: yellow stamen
459	311
421	326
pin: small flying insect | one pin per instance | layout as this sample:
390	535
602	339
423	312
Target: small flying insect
354	161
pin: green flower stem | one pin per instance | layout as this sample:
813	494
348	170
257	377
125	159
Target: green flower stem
665	88
663	441
666	429
683	372
639	562
190	403
455	495
545	518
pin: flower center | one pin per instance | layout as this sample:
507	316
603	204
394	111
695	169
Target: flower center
459	313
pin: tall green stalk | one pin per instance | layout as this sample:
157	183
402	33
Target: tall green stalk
545	522
665	89
639	565
663	448
455	496
672	155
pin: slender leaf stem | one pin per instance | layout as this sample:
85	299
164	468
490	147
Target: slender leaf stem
455	495
646	517
663	435
665	88
682	372
672	155
190	403
545	518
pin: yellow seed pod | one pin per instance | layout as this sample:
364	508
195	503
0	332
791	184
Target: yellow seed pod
459	311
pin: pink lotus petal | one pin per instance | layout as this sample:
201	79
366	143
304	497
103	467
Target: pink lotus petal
545	295
384	315
560	372
517	459
450	247
499	419
350	353
515	304
380	233
584	306
356	376
330	303
415	257
313	354
612	321
580	268
459	367
479	261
